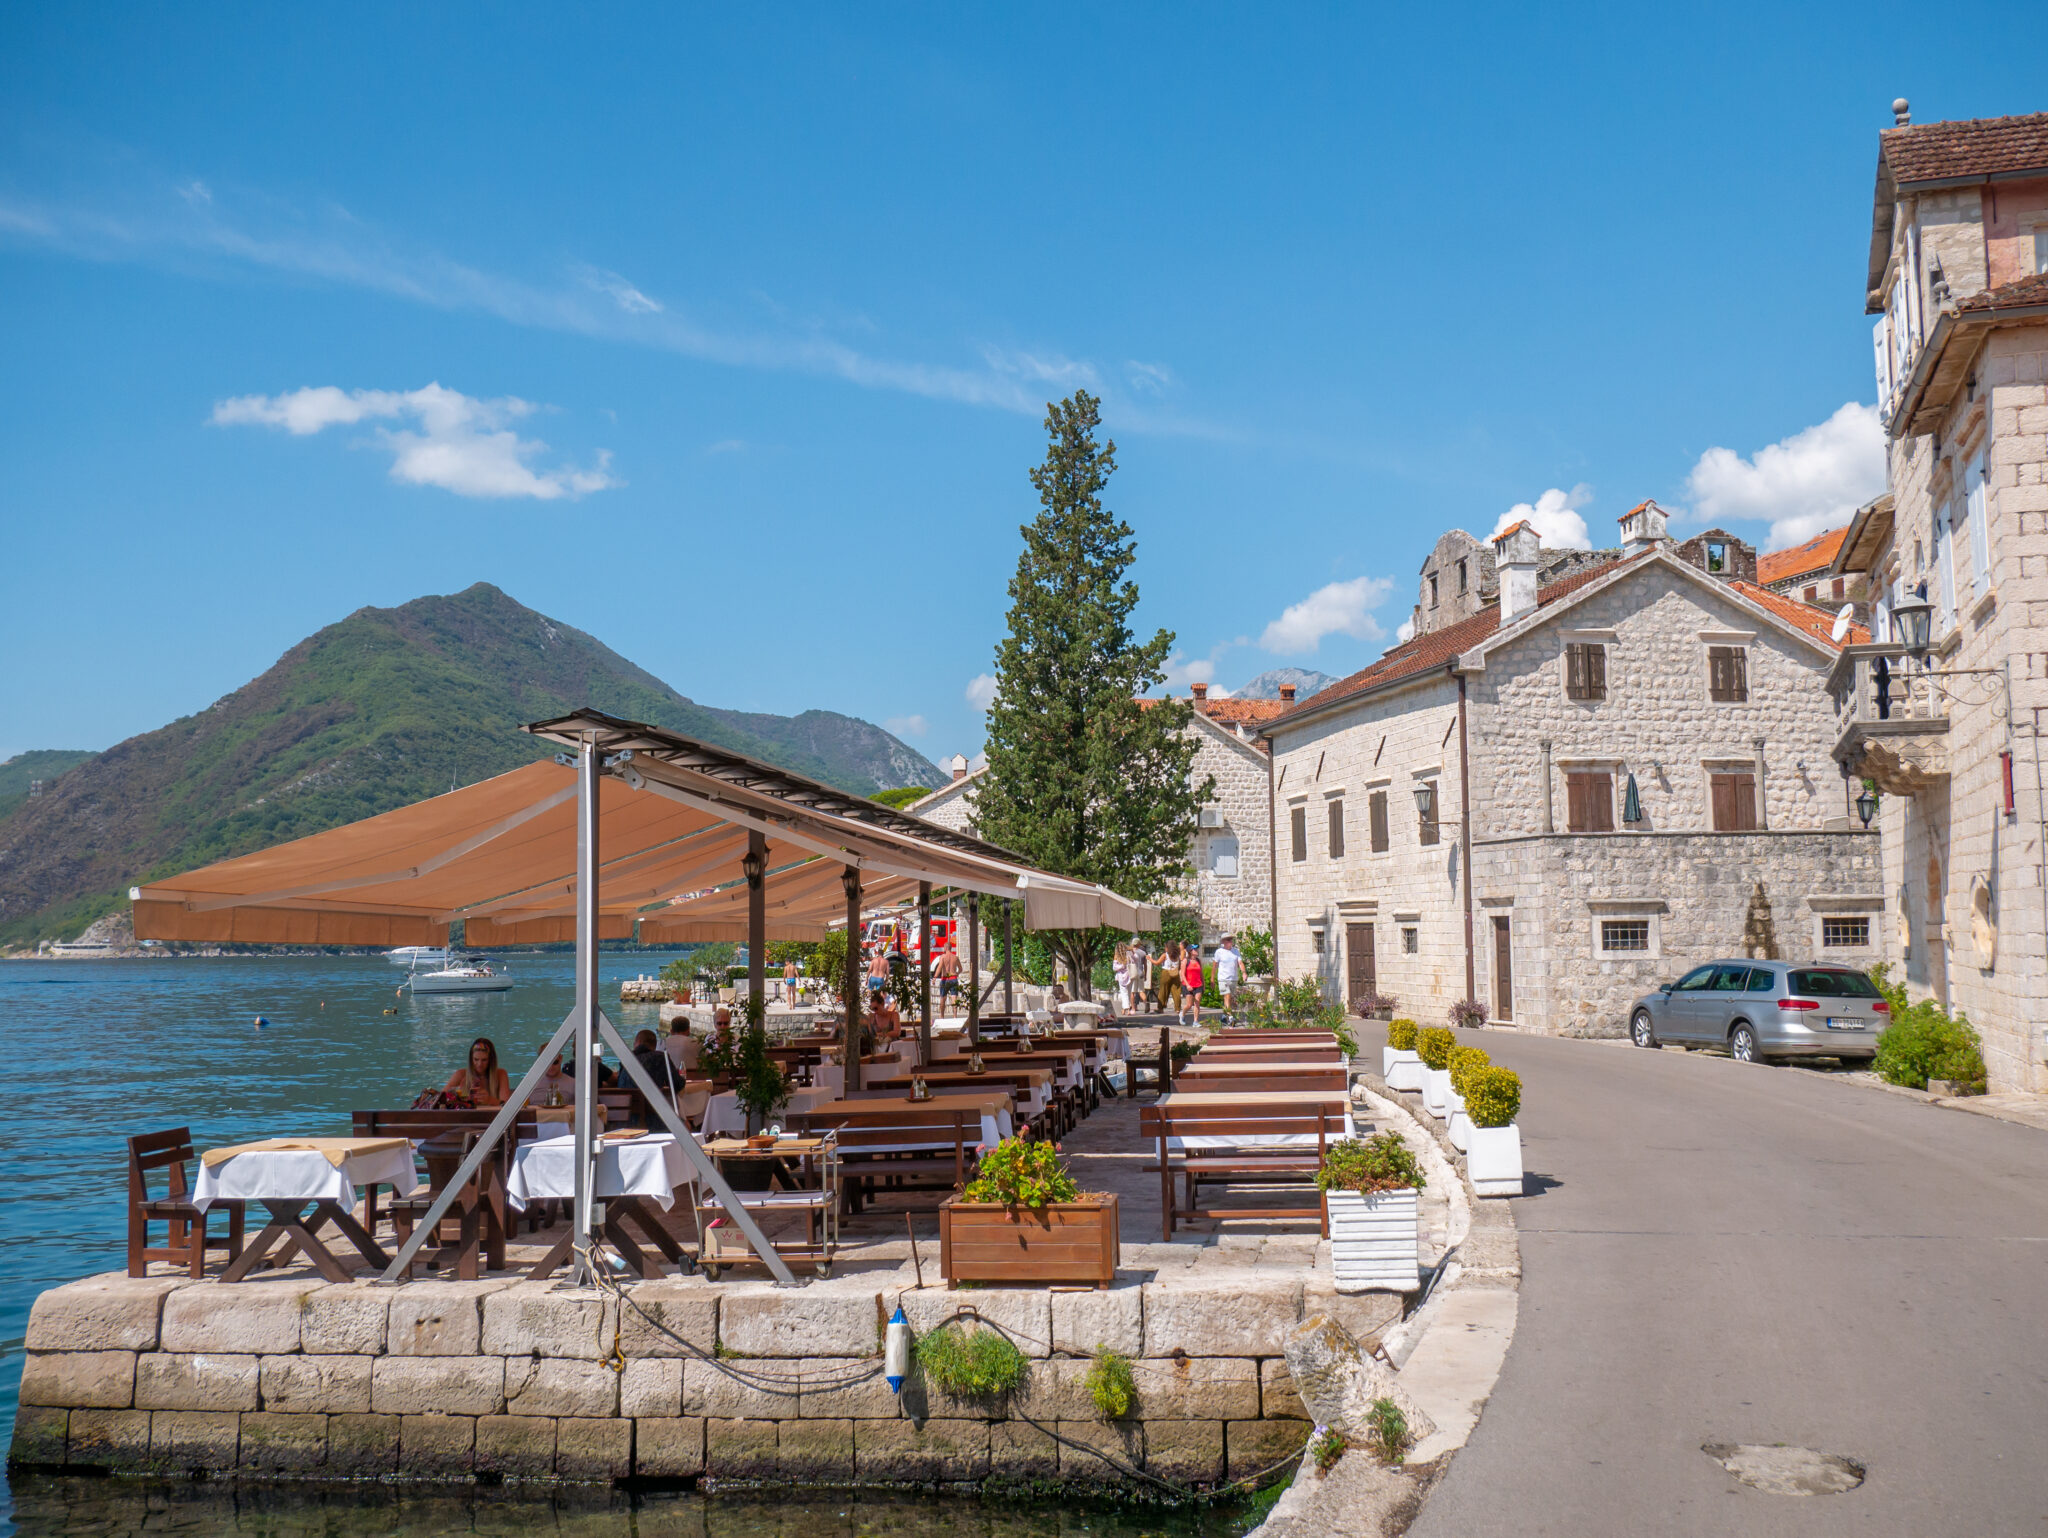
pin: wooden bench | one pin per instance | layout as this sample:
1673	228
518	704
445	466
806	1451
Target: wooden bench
1239	1033
478	1216
1209	1078
1017	1084
186	1241
1310	1123
897	1145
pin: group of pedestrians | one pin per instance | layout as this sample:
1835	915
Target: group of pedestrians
1170	979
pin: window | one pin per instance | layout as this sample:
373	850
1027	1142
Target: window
1426	832
2041	249
1585	670
1316	939
1589	801
1813	592
1694	981
1376	803
1728	674
1432	590
1336	816
1845	931
1832	983
1411	940
1622	935
1734	801
1463	579
1730	980
1945	570
1762	980
1717	557
1298	826
1223	856
1841	589
1980	535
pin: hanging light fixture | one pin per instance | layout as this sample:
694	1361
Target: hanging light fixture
1866	805
754	865
1425	802
1911	619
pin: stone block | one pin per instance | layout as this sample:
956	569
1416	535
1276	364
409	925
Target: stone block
261	1320
1244	1312
1189	1452
1055	1390
438	1318
901	1452
742	1390
588	1449
836	1387
1365	1314
436	1446
668	1447
175	1380
735	1449
758	1320
346	1318
1019	1450
101	1313
1278	1397
283	1444
338	1385
1106	1448
515	1446
39	1432
1252	1446
437	1385
114	1440
1090	1321
651	1387
554	1386
1217	1388
660	1311
362	1446
532	1319
181	1441
79	1380
816	1452
1022	1313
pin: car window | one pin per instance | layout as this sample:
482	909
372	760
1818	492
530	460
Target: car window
1699	977
1763	980
1731	979
1833	983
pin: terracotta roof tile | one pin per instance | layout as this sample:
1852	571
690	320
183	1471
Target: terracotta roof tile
1932	152
1817	554
2031	290
1815	622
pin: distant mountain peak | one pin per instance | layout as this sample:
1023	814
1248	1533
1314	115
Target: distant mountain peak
1306	681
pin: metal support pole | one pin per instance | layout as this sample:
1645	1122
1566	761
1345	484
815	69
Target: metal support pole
850	878
924	976
581	1217
757	921
974	968
1009	961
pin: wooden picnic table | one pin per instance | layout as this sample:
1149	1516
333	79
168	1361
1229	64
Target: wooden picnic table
1262	1137
1278	1052
1231	1077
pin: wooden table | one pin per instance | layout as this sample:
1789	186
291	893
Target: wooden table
637	1195
1232	1077
811	1166
304	1184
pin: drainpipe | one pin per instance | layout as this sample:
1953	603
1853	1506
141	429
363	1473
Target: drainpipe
1549	821
1465	833
1272	854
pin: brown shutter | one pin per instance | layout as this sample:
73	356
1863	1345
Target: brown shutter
1378	804
1298	825
1575	803
1717	672
1596	672
1337	830
1575	671
1738	674
1724	810
1744	796
1600	795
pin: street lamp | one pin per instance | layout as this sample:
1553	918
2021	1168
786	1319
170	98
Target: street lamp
1425	802
1866	805
753	865
1913	617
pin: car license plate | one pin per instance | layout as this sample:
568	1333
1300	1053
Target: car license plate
1837	1023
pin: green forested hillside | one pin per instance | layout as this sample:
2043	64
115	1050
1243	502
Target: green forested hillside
18	773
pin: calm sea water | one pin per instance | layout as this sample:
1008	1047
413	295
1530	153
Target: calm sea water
101	1050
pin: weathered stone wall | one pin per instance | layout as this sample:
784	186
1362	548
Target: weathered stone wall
453	1380
1229	904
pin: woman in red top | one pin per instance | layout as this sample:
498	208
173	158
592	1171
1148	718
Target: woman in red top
1191	979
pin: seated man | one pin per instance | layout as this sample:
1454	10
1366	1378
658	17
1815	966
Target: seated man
681	1046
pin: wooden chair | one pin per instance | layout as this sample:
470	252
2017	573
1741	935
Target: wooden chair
478	1217
1249	1163
187	1238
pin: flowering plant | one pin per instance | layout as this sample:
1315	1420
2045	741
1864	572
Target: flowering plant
1021	1172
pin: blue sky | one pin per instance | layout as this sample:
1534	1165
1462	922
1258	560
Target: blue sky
742	327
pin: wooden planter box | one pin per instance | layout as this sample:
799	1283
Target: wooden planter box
1061	1242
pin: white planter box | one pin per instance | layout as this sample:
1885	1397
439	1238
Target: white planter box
1493	1161
1404	1070
1436	1091
1374	1241
1459	1129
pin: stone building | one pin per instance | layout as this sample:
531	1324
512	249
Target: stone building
1807	572
1568	797
1958	281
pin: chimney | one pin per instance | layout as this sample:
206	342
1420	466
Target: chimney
1643	526
1902	112
1201	691
1287	694
1516	552
958	764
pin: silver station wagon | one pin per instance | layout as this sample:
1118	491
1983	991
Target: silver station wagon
1765	1009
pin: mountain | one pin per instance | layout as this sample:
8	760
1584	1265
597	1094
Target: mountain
19	773
384	708
1266	686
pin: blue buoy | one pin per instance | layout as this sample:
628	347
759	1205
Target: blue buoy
896	1351
261	1022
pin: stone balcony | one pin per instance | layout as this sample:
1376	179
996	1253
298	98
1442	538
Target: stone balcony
1891	721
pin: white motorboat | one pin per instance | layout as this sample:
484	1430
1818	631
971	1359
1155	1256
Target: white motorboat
467	977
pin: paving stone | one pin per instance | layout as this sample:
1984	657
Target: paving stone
742	1390
1278	1397
1197	1388
1250	1446
591	1449
438	1318
668	1447
1018	1450
737	1449
901	1452
183	1440
1092	1321
816	1452
757	1320
532	1319
100	1313
834	1386
327	1384
259	1320
1189	1452
552	1386
114	1440
208	1380
1123	1441
1022	1313
652	1387
345	1318
437	1385
515	1446
361	1446
685	1308
83	1380
273	1443
436	1446
39	1432
1246	1311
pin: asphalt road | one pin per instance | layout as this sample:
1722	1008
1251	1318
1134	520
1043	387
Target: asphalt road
1723	1253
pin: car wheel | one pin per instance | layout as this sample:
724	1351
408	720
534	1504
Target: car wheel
1742	1044
1640	1030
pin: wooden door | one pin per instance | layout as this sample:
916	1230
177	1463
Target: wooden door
1361	963
1503	971
1734	802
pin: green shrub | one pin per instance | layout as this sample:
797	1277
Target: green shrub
1111	1384
1401	1035
1299	1005
1492	1096
1435	1046
1022	1172
970	1364
1383	1162
1386	1431
1924	1041
1256	946
1463	1061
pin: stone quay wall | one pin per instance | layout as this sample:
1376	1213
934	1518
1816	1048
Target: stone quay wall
282	1379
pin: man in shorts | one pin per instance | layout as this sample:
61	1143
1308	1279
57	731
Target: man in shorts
1229	964
947	970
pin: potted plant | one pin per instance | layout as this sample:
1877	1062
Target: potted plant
1464	1061
1493	1162
1399	1064
1023	1219
1369	1212
1468	1014
1435	1046
1375	1006
741	1057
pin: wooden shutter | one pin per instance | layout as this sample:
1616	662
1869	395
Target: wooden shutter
1585	676
1589	802
1337	829
1734	797
1298	826
1575	671
1728	674
1738	674
1360	961
1427	832
1596	672
1378	804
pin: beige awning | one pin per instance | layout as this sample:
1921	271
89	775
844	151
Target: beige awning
673	825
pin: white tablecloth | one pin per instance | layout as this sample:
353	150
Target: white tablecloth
281	1175
1261	1139
723	1116
650	1166
994	1128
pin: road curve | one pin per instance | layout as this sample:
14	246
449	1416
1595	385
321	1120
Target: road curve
1718	1252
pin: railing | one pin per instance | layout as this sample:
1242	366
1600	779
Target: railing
1880	683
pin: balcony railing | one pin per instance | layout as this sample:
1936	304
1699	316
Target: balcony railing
1890	717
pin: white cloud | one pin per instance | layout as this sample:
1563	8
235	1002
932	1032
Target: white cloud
1148	378
1554	516
623	294
1339	608
907	726
1804	484
981	690
454	441
1406	632
1182	670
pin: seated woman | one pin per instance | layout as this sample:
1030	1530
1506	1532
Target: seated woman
482	1083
